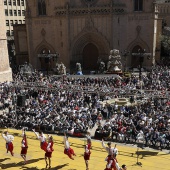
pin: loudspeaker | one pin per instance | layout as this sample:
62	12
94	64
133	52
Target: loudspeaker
21	100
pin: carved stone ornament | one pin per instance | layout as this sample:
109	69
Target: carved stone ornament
43	32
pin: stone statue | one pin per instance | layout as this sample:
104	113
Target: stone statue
101	67
60	69
114	64
78	69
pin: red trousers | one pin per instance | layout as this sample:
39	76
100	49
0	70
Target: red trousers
44	146
10	147
69	152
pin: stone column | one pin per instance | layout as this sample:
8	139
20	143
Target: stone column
5	70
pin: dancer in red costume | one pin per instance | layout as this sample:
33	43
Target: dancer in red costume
24	146
49	151
8	138
87	153
42	139
112	162
67	149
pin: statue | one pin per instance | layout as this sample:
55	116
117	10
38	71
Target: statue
60	69
101	67
78	69
114	64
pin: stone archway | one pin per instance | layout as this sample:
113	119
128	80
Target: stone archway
87	48
90	57
135	61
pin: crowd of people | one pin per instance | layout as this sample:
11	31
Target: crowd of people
74	104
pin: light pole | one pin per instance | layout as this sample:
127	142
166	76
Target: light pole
47	56
141	53
125	54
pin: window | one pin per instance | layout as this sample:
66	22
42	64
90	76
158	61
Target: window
20	22
41	7
5	2
19	12
6	12
8	32
18	2
12	32
138	5
14	2
23	21
10	12
22	2
11	22
15	12
9	2
7	22
23	12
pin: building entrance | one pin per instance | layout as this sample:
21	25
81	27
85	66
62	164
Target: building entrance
90	57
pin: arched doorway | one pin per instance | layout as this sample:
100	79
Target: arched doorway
90	57
135	62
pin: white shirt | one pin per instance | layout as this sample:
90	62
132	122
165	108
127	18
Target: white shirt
8	138
41	138
66	143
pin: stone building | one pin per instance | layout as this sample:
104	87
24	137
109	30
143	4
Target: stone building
5	70
86	30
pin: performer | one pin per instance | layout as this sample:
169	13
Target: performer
88	136
87	153
8	138
67	149
49	151
24	146
112	162
42	139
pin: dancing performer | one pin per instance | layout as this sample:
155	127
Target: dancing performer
87	153
112	162
88	136
24	146
49	151
8	138
42	139
67	149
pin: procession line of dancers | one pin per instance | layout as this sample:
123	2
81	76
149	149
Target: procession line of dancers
46	144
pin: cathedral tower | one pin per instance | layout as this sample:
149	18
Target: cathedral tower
5	70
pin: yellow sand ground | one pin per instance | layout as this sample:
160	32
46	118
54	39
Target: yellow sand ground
150	160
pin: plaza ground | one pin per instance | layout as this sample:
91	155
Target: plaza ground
149	159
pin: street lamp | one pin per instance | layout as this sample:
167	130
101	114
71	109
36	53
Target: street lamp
47	56
142	53
125	54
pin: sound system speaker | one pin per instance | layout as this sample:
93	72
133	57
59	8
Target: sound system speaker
21	100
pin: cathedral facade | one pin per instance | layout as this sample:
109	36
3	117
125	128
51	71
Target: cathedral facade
85	31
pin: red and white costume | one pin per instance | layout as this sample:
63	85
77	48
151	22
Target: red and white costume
9	144
49	150
112	162
42	139
87	152
24	144
67	150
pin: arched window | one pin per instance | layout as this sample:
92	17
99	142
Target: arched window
138	5
41	7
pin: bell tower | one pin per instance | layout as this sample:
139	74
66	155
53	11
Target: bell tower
5	70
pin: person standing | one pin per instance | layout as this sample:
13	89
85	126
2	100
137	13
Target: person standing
67	149
8	138
49	151
42	139
24	146
87	153
112	162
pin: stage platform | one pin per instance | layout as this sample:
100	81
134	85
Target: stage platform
148	159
